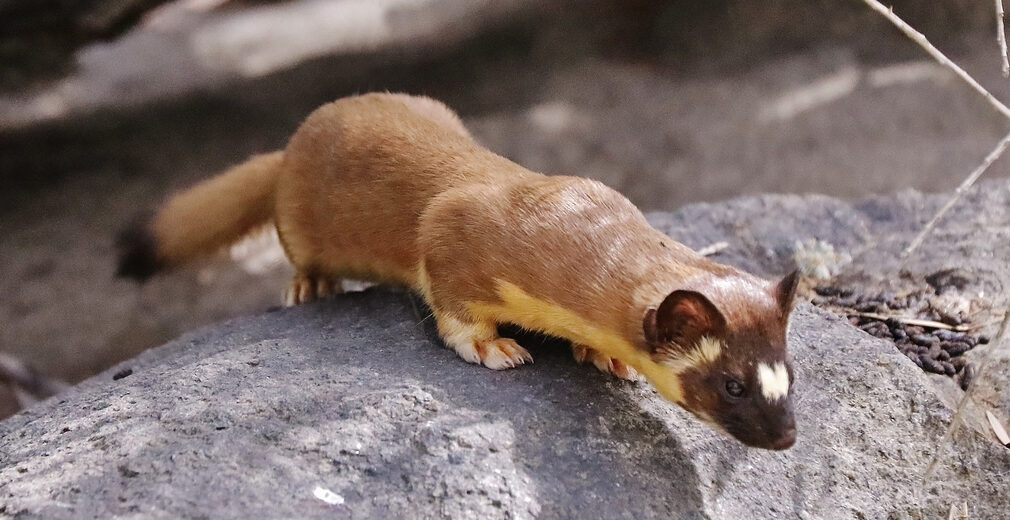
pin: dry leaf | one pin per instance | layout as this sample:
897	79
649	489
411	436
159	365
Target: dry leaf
998	429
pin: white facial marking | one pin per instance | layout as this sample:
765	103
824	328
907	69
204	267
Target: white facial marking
774	380
706	351
709	349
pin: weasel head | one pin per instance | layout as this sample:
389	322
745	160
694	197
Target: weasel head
735	373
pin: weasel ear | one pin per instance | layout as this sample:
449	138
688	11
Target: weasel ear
683	318
785	291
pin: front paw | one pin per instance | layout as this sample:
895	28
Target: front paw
501	353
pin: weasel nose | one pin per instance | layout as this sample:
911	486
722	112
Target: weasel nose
786	440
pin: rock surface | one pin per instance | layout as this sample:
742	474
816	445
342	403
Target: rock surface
349	408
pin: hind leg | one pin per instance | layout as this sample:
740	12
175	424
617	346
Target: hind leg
306	288
309	282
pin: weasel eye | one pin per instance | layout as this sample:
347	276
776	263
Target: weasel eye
734	388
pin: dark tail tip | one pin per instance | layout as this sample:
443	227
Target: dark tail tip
135	247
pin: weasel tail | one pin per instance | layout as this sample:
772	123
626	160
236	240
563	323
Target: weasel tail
201	220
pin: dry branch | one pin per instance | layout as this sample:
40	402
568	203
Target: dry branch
28	385
918	38
965	184
908	321
1001	38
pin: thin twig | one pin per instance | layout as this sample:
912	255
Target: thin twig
908	321
417	311
28	385
712	249
962	404
1001	38
967	183
918	38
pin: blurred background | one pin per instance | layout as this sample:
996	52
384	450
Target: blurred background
107	106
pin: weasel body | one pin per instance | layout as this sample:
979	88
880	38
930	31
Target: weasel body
392	188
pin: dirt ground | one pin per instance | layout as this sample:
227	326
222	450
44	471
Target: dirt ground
827	119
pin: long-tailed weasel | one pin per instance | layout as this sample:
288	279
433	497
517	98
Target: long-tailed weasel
392	188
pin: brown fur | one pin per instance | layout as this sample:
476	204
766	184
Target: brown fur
392	188
566	239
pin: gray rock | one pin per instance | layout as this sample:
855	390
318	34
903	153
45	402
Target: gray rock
350	408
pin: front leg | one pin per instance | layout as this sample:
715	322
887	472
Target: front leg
478	342
605	364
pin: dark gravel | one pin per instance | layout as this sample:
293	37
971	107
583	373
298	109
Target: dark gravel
933	349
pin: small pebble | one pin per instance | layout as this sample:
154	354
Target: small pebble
952	320
956	348
949	335
846	302
967	375
869	325
876	329
931	365
830	291
868	307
